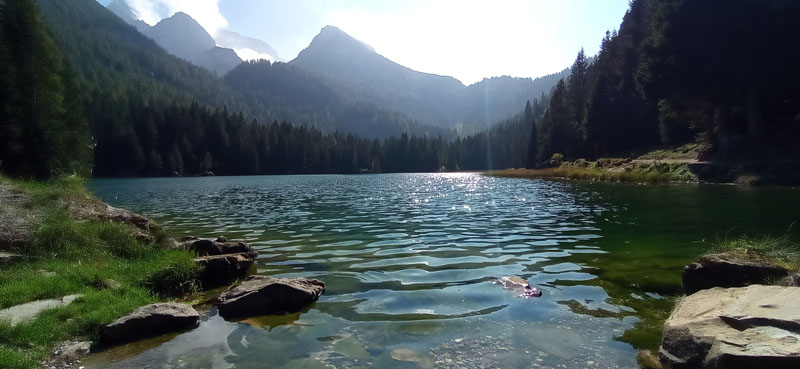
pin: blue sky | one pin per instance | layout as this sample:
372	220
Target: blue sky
466	39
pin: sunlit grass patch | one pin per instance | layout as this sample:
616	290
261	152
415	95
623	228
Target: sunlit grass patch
778	250
626	173
609	170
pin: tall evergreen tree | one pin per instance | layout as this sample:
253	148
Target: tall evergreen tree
531	159
44	131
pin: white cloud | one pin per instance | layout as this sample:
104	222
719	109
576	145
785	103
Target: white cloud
473	39
205	12
250	54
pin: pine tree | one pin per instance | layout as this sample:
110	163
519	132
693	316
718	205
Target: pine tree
44	131
577	91
533	141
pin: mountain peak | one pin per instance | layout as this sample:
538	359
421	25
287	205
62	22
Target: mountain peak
183	16
124	11
181	33
332	36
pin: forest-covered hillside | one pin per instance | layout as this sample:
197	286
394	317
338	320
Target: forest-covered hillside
119	67
677	71
84	91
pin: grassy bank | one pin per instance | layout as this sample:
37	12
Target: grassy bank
659	166
100	259
612	170
781	251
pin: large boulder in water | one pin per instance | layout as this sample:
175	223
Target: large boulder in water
148	321
728	270
219	270
262	295
220	246
748	327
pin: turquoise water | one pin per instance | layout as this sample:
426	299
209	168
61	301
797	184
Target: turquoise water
410	259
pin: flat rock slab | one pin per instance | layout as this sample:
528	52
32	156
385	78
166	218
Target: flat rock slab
262	295
28	311
747	327
7	257
150	320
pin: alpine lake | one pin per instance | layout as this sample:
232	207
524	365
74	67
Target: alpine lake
410	262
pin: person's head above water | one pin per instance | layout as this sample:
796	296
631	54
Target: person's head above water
532	291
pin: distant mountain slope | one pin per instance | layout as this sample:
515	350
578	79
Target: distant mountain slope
293	91
246	47
114	59
371	77
119	68
182	36
122	10
439	100
498	98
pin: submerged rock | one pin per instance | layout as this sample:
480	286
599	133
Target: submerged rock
747	327
648	360
513	282
262	295
150	320
219	270
728	270
423	360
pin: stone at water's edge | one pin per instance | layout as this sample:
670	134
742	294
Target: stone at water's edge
143	226
791	281
220	246
262	295
222	261
727	270
67	355
150	320
219	270
748	327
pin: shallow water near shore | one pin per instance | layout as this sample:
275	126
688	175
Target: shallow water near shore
410	259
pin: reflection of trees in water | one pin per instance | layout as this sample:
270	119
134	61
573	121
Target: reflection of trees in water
271	341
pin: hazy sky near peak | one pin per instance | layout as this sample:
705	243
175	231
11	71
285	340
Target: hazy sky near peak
466	39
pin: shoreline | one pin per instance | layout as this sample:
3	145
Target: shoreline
108	261
635	171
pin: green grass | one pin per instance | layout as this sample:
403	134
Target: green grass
626	172
70	189
69	256
776	250
687	151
